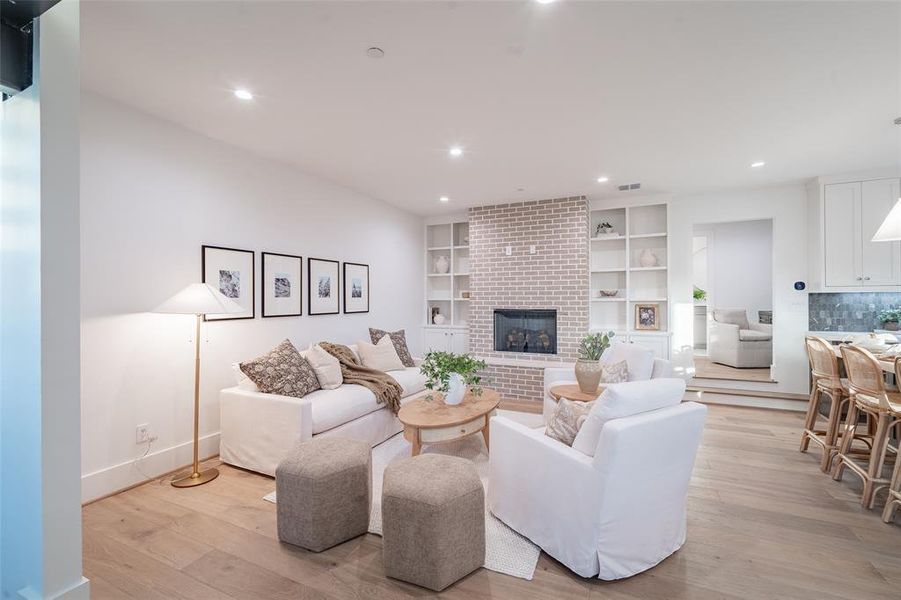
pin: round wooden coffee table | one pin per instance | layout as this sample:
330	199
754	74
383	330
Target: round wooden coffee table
571	391
434	422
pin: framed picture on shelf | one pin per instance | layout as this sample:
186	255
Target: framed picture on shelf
356	288
231	271
323	286
647	317
282	285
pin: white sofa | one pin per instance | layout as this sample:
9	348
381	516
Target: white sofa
257	429
735	342
640	360
611	515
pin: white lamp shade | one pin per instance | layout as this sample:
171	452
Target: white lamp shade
890	230
199	299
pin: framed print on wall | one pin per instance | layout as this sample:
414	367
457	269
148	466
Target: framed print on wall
282	284
231	271
647	317
323	287
356	288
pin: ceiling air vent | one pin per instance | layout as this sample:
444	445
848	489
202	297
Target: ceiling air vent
629	187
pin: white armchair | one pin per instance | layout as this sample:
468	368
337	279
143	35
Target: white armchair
609	516
735	342
640	360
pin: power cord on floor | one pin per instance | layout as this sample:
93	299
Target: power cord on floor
137	462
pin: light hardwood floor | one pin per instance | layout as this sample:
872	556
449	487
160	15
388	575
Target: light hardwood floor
763	522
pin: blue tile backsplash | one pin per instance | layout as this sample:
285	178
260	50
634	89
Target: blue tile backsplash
850	311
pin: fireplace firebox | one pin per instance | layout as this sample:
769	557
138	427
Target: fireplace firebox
525	330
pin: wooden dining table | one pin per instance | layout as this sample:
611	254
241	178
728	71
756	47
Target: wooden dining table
887	365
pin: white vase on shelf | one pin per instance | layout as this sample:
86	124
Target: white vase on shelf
647	258
438	319
442	265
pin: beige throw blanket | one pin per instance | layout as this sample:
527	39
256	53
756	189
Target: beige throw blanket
387	391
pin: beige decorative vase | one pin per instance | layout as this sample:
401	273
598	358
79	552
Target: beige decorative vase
588	374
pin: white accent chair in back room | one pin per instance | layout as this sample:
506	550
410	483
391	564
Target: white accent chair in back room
735	342
640	360
614	504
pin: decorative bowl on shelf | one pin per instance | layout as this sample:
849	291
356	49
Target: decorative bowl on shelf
608	293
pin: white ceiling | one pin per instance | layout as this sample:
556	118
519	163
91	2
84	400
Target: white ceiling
680	96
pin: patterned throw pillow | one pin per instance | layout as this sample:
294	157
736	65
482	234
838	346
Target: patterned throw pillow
282	371
399	339
615	372
567	419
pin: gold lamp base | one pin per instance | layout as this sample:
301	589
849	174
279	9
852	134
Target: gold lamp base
192	479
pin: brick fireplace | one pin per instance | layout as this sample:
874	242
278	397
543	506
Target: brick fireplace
546	270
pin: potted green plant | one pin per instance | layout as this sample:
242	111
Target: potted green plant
451	374
588	367
698	294
890	318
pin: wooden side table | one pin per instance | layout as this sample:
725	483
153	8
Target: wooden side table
571	391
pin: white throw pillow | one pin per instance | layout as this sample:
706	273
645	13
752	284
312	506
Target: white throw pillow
244	382
639	359
326	367
381	356
624	400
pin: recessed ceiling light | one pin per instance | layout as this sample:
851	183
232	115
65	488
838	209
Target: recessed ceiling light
375	52
757	165
444	199
603	179
456	151
544	1
243	94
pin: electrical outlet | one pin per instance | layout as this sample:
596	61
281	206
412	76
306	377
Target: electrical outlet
143	435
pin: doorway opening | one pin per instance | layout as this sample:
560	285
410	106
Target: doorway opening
732	275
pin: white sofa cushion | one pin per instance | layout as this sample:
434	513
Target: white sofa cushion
410	379
331	408
326	366
623	400
751	335
639	359
381	356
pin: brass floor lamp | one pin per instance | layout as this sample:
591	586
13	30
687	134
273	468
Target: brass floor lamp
198	299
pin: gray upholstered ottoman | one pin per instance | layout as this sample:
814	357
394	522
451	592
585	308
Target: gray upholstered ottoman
433	520
323	491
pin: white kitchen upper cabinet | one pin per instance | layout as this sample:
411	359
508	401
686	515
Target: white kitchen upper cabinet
844	215
880	261
842	230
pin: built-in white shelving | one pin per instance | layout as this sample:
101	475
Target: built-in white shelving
444	289
621	262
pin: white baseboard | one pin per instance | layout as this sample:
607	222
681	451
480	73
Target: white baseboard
79	591
118	477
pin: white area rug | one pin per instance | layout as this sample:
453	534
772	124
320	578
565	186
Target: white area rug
506	551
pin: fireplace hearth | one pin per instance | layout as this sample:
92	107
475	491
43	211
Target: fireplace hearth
525	330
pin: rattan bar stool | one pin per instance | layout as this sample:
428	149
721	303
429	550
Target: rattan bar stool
826	381
868	396
893	502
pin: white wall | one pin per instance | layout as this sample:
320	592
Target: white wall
152	193
739	265
40	554
786	206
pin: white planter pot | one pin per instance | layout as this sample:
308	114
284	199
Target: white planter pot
456	389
